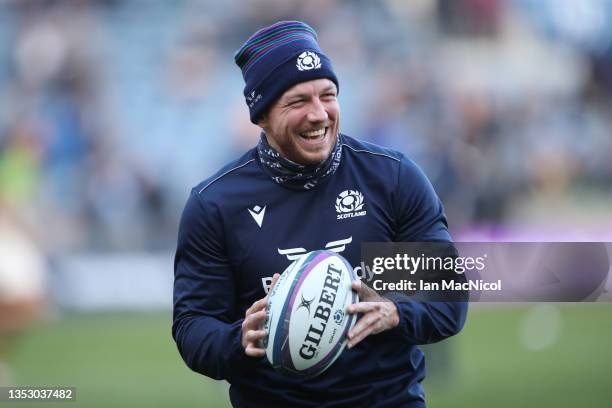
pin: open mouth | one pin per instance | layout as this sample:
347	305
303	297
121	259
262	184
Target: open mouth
314	135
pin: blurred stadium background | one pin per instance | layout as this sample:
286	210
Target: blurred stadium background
111	110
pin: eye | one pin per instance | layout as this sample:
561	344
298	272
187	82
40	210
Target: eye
296	103
329	95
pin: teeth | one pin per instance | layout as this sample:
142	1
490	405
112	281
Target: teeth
314	133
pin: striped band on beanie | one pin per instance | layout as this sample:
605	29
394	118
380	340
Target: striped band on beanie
276	58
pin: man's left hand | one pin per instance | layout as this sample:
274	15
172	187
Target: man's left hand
379	313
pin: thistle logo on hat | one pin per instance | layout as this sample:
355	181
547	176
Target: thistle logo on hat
269	58
308	60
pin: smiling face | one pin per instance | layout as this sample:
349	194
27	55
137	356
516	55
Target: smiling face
303	123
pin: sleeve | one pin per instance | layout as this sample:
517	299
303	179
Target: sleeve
420	214
204	327
421	218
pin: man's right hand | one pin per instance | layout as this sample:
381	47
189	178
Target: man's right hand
253	318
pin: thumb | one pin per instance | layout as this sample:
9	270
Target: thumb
274	279
365	293
356	285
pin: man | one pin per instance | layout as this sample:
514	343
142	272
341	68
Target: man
22	284
287	196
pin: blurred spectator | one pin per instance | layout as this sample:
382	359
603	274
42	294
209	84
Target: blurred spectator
22	285
106	107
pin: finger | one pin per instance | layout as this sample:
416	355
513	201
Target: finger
257	318
362	335
361	307
363	324
274	279
379	326
366	293
253	351
252	321
257	306
253	336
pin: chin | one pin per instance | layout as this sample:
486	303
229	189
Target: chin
318	156
312	161
314	158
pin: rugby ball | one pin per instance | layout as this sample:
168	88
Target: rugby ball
306	317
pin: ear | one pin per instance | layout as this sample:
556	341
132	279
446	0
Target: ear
263	121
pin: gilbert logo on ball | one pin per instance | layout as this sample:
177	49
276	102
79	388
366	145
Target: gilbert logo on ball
306	318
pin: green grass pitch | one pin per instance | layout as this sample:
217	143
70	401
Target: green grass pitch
130	360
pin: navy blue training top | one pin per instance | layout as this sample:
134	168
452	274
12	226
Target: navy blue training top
239	227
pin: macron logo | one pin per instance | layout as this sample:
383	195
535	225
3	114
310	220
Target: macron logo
258	213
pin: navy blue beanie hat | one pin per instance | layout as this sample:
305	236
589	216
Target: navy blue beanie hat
277	57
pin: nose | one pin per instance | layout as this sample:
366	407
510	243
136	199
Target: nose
317	112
